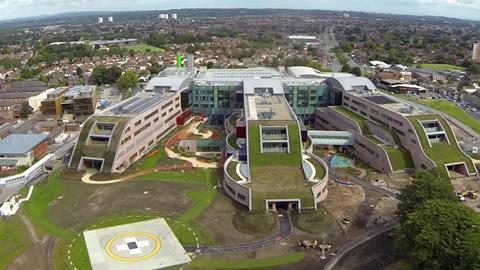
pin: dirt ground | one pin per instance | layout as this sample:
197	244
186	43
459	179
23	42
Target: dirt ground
83	203
394	181
344	202
37	256
383	212
373	255
219	219
463	184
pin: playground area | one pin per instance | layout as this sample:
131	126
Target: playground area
338	161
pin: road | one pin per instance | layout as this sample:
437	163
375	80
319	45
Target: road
284	231
357	242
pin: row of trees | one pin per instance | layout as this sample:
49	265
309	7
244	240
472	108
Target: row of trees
124	80
437	232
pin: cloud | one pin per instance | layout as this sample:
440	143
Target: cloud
452	8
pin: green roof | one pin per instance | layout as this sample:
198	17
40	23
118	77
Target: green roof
362	121
277	175
100	151
400	157
441	152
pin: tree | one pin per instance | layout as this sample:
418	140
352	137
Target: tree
112	74
346	68
25	110
209	65
129	79
441	235
356	71
99	74
426	185
155	68
79	72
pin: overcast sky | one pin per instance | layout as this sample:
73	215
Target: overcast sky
467	9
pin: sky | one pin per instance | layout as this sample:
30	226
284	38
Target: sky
465	9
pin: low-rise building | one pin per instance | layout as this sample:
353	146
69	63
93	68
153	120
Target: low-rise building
21	150
52	105
80	100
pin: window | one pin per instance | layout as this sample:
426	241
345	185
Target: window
138	123
166	105
150	115
155	120
241	197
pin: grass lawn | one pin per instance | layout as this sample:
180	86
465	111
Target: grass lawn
441	67
233	120
232	170
37	207
14	239
248	263
194	176
374	139
143	47
46	193
400	158
316	222
247	222
232	141
320	170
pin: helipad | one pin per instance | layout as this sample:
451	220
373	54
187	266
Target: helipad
146	245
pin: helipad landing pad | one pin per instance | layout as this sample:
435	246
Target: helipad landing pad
146	245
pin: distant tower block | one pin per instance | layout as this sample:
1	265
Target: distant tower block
163	16
174	16
476	53
110	19
191	61
100	20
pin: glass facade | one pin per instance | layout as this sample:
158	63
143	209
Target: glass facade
223	99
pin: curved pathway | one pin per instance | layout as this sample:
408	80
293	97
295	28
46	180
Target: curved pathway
284	231
357	242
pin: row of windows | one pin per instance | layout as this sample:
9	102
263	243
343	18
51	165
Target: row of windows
142	129
150	115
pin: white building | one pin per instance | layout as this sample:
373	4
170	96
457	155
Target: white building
110	19
174	16
163	16
476	52
100	20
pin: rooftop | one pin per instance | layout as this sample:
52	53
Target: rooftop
268	107
169	83
79	90
20	144
137	104
238	75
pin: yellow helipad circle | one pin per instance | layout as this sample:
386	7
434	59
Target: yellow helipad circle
108	247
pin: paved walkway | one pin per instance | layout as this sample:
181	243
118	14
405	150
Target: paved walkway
284	231
357	242
86	178
193	129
